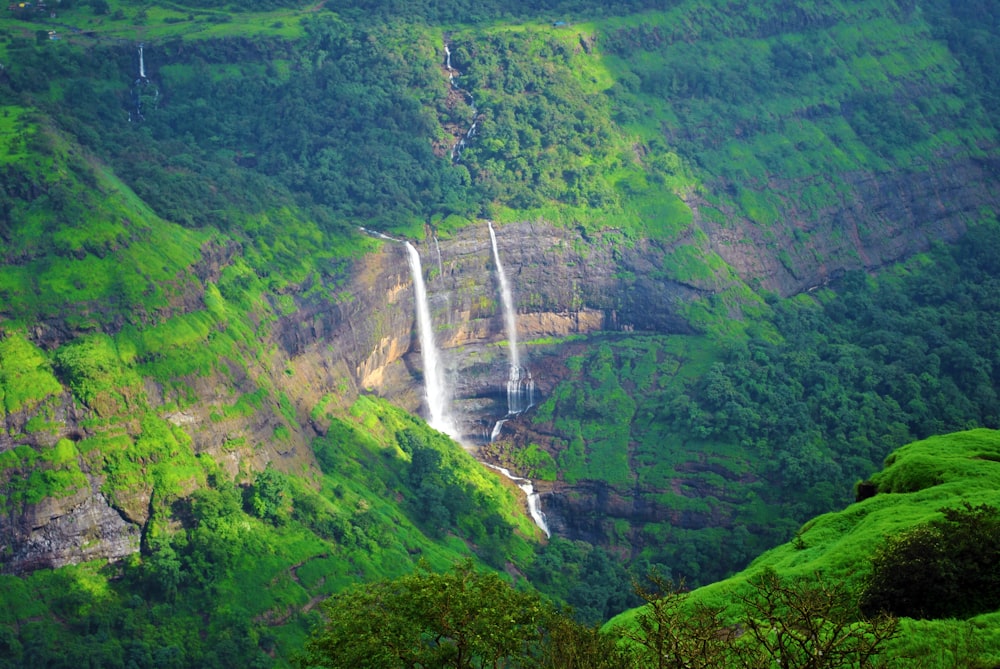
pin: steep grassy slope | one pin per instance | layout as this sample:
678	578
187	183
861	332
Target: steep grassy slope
919	480
788	130
230	573
143	397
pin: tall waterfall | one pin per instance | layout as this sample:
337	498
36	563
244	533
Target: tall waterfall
142	64
437	395
520	386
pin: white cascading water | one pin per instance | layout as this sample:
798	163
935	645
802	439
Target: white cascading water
534	502
143	90
440	264
520	386
456	150
436	390
376	233
496	429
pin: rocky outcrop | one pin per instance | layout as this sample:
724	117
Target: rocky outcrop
60	531
881	219
564	283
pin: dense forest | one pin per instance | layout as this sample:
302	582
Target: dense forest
211	452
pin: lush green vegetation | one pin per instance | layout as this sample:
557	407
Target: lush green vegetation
943	569
146	253
464	620
945	478
247	561
459	619
782	423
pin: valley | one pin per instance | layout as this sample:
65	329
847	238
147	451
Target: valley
276	281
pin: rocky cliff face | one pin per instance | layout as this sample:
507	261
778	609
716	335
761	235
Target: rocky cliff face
564	284
360	337
883	218
61	531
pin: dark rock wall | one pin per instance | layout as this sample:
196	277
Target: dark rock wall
885	217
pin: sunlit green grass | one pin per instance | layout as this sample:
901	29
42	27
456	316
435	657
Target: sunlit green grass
940	472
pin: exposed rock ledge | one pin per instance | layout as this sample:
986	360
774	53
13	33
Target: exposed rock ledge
61	531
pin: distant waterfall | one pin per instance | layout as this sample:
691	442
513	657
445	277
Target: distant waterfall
440	264
145	93
456	150
437	395
520	386
534	501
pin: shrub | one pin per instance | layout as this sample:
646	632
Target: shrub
942	569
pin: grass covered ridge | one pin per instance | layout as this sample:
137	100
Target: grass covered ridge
918	481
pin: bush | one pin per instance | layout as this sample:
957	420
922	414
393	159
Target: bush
947	568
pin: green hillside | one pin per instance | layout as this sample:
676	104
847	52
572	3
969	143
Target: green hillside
738	443
919	481
230	573
192	458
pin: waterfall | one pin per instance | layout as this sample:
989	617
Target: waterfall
534	501
456	150
507	297
496	429
434	383
144	92
376	233
437	395
520	386
440	264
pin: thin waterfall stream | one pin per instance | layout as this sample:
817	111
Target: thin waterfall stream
456	150
534	501
520	386
144	92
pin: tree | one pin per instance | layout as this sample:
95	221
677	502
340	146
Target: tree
804	624
671	633
267	497
941	569
810	624
461	619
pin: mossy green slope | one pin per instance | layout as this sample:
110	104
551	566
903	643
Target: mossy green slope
114	323
145	263
222	582
918	481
